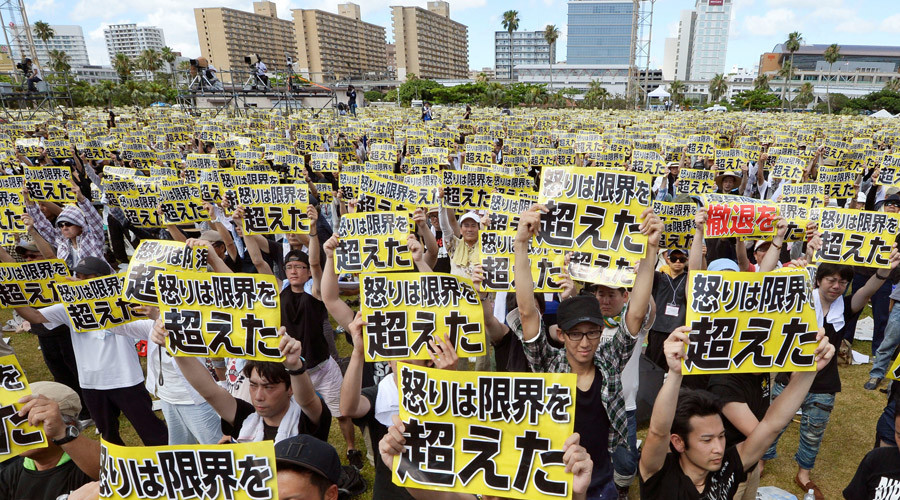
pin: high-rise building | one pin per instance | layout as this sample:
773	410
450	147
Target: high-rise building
428	43
335	46
131	39
69	39
710	42
227	36
528	47
678	50
599	32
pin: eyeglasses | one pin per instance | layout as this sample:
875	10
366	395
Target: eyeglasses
64	224
831	280
678	259
577	336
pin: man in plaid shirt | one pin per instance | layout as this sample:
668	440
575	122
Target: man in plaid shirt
600	416
77	233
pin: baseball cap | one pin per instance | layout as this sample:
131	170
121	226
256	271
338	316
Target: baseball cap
578	309
470	216
760	243
211	236
723	265
310	453
92	265
673	250
67	399
894	198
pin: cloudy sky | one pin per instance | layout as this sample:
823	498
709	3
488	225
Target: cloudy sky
756	26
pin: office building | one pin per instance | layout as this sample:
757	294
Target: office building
131	39
710	42
95	74
227	36
69	39
428	43
579	76
528	47
336	46
678	50
599	32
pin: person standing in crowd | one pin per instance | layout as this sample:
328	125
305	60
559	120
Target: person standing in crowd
684	455
351	99
600	413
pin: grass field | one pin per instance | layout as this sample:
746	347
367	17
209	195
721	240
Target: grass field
849	437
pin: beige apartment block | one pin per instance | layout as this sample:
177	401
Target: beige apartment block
428	43
337	46
228	35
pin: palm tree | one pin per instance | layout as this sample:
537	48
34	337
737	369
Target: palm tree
59	61
482	77
806	94
676	89
792	45
150	60
893	85
596	94
718	87
832	54
761	82
510	23
551	34
123	66
43	31
784	73
168	55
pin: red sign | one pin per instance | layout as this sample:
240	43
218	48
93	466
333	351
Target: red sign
716	2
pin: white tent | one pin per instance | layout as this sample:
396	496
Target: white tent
882	114
659	92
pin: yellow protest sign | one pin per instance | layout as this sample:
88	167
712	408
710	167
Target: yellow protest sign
30	283
479	154
467	190
16	434
810	194
238	471
889	174
498	263
750	322
382	194
324	162
593	210
477	444
894	372
603	269
701	145
645	161
274	209
153	256
373	242
13	207
96	303
220	315
678	231
141	211
50	184
181	204
695	182
857	237
740	216
789	167
797	216
403	311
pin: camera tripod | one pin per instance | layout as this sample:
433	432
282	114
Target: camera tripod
255	82
202	82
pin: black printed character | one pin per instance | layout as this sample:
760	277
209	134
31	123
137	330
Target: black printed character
711	342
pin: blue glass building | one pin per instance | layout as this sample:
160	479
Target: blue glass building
599	32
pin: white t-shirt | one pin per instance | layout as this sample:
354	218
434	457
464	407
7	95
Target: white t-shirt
105	360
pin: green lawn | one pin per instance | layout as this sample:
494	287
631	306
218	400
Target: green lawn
849	436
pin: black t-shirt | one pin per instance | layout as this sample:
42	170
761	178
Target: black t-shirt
383	487
304	426
18	483
510	355
878	476
750	388
668	290
828	380
592	423
671	483
303	316
42	331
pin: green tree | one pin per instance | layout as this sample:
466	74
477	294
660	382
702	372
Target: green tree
150	61
893	84
123	66
806	94
761	82
832	54
718	87
677	89
551	34
43	31
755	99
373	95
510	23
596	95
784	73
59	61
792	44
168	56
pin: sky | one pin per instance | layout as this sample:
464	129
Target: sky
756	26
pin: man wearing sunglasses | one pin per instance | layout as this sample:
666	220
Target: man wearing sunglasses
669	287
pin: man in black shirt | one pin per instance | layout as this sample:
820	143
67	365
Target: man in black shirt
700	466
69	461
283	400
878	475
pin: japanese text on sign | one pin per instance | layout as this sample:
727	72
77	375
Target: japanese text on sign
857	237
373	242
96	303
153	256
30	283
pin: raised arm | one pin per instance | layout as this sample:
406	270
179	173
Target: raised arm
331	292
315	262
212	258
43	411
46	249
352	404
301	385
252	242
418	253
740	251
652	227
529	223
861	298
656	446
770	260
784	407
431	246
